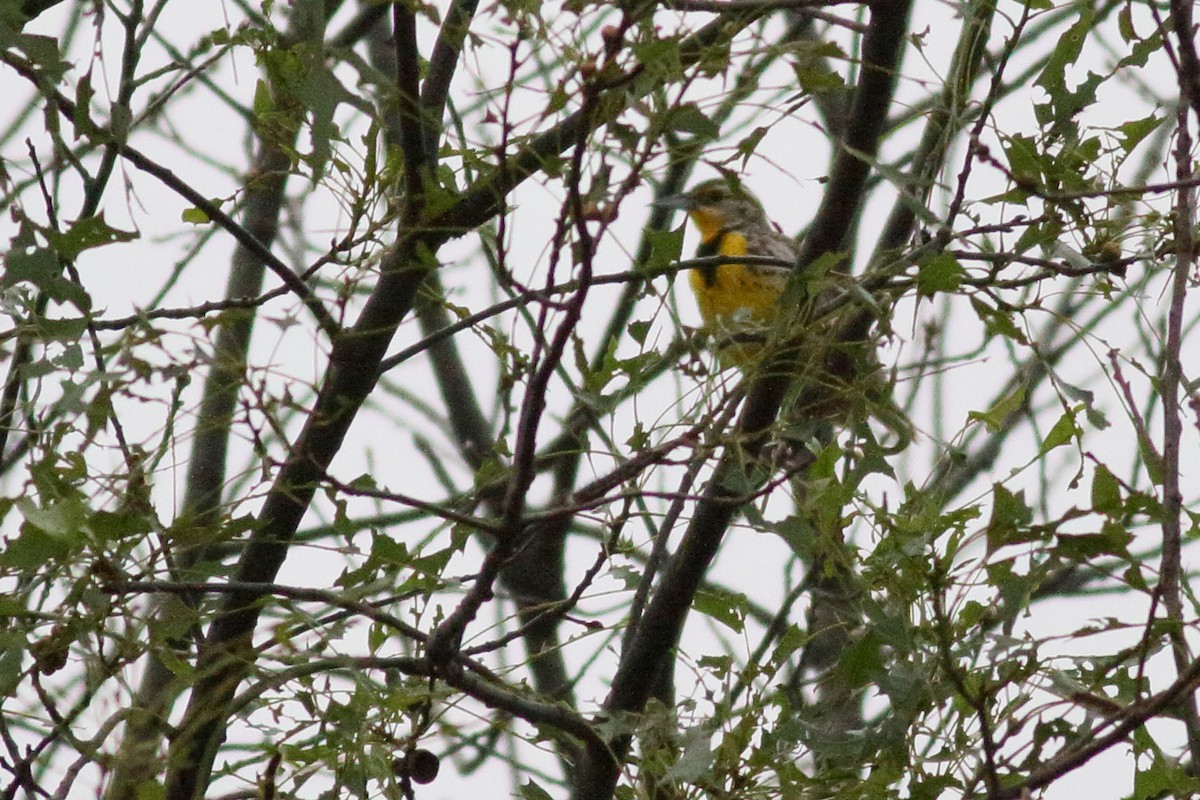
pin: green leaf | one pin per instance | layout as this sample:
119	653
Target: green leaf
971	613
386	551
173	621
1043	234
792	640
1125	24
489	471
720	666
749	144
940	273
82	121
263	103
62	518
688	118
531	791
320	92
434	563
1065	431
63	330
1056	116
1024	160
932	787
1106	492
994	417
179	667
377	636
1165	777
728	608
594	380
666	248
70	359
1010	519
1066	51
12	653
639	438
638	330
824	466
37	265
195	216
1134	578
998	322
1113	540
43	51
628	578
1151	458
1095	416
1014	590
1135	130
12	16
33	549
660	54
1141	51
861	661
364	483
86	234
115	526
814	78
638	369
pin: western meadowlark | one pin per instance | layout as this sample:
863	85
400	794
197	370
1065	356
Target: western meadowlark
739	302
837	380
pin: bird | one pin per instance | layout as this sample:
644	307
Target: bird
838	383
739	303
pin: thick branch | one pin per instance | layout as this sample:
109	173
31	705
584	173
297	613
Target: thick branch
442	66
1169	387
227	654
650	650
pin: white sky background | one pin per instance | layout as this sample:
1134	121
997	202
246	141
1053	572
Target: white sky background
785	172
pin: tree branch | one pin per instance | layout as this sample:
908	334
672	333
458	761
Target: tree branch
227	654
649	651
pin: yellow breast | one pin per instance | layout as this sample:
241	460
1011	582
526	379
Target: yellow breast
735	296
736	300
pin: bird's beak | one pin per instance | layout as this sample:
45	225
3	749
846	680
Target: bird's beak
679	202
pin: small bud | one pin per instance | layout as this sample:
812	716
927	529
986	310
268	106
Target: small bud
50	653
594	212
420	766
1108	252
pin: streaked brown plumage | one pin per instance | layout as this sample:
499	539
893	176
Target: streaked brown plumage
739	303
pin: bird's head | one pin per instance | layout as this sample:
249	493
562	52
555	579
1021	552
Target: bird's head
717	205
